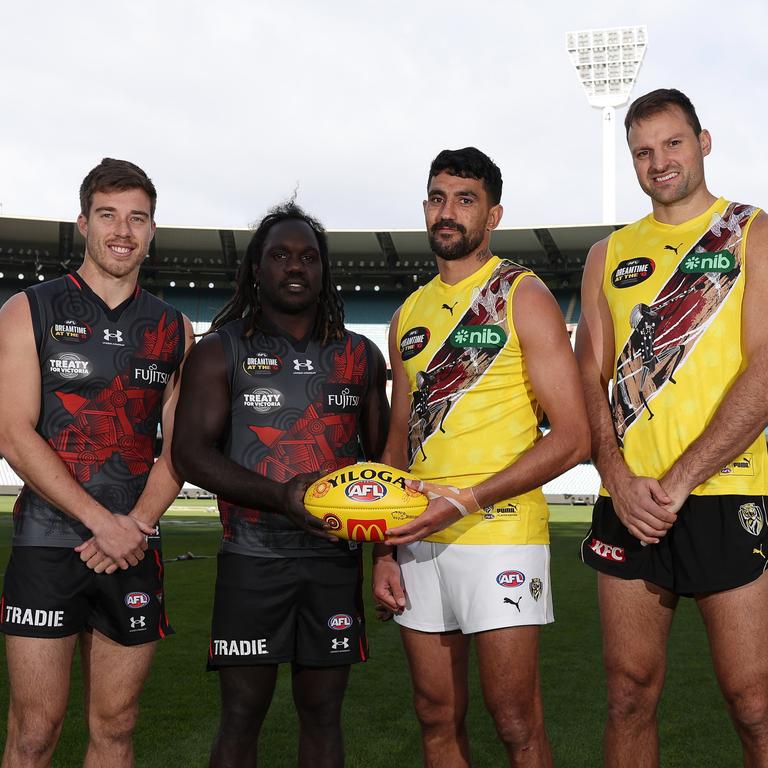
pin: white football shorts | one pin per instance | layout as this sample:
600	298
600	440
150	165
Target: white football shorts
474	587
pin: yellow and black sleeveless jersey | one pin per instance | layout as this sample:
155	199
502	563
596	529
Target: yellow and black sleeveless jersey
675	295
473	411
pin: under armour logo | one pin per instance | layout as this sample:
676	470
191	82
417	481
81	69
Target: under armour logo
516	603
116	336
303	365
340	643
672	248
138	622
450	308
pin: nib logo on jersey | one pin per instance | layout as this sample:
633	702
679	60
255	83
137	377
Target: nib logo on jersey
720	261
478	337
150	374
71	331
68	365
341	398
262	364
263	399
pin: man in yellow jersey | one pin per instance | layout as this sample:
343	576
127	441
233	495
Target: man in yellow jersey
476	355
673	314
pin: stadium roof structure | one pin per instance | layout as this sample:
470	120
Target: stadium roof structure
393	260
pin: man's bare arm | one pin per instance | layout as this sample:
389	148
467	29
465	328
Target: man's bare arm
555	381
637	500
120	537
743	413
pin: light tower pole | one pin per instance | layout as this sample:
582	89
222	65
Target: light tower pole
607	62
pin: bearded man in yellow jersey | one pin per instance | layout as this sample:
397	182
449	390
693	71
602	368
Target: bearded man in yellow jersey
477	355
673	314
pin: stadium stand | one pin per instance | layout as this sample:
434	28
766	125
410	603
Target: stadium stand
194	269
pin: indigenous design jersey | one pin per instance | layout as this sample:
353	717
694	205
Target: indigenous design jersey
473	410
296	408
675	295
103	372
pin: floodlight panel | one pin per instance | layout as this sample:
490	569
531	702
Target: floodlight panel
607	61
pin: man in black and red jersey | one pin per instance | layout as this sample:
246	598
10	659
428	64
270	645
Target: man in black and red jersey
277	390
90	368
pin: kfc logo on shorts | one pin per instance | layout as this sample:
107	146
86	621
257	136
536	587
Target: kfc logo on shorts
136	600
340	622
511	579
607	551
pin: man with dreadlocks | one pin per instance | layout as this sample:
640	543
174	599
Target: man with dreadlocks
279	392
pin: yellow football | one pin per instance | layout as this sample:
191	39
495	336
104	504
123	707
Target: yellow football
361	501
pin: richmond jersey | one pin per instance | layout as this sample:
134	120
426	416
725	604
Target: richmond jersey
473	411
675	294
295	408
102	373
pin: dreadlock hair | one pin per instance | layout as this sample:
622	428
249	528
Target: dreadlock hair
329	320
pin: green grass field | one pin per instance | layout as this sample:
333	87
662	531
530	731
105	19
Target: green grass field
180	702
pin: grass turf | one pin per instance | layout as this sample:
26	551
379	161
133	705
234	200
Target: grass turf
180	702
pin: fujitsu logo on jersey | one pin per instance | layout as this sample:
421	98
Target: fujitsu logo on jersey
150	374
341	398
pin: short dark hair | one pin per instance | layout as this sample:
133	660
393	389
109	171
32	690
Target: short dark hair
469	163
658	101
110	175
329	322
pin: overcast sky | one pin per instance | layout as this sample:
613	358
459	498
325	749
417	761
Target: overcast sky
231	105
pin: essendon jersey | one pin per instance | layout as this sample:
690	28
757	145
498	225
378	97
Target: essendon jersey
103	372
295	408
675	294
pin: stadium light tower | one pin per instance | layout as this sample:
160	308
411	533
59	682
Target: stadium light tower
607	62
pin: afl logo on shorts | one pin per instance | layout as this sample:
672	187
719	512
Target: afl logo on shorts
632	272
511	579
137	599
340	621
413	342
366	490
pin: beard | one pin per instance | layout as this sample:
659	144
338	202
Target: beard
455	249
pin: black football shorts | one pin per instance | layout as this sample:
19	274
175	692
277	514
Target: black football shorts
303	609
50	592
717	543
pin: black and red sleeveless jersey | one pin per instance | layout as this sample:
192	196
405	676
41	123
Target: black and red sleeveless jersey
295	407
102	373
